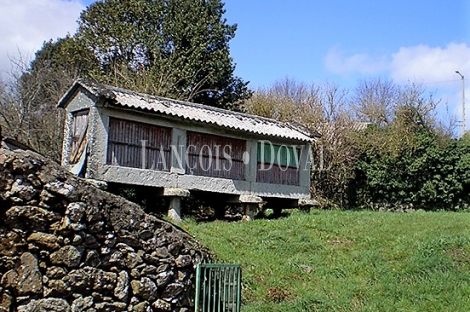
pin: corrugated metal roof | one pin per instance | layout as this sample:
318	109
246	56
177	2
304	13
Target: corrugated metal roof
194	112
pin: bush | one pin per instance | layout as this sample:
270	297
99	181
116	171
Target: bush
424	170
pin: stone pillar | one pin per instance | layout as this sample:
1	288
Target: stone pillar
305	204
250	161
174	207
178	152
251	205
305	166
250	211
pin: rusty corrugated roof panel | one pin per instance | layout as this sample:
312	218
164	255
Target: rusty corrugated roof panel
195	112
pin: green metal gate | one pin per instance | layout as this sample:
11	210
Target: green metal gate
218	287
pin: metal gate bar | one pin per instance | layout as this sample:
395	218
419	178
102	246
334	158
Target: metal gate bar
218	287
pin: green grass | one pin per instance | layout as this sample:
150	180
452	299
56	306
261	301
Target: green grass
347	261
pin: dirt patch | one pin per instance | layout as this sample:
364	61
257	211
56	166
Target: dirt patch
460	257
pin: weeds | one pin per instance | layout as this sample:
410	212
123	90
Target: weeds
348	260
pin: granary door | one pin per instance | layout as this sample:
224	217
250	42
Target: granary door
78	142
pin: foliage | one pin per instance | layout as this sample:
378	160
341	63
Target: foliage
378	102
407	165
59	63
28	104
287	100
323	109
347	260
380	146
174	48
406	158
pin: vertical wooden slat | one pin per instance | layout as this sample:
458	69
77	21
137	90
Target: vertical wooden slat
219	287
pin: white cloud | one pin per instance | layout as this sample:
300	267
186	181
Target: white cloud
433	67
337	62
430	64
421	63
26	24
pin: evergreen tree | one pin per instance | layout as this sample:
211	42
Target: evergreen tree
174	48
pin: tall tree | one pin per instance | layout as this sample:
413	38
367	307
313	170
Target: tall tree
27	109
56	65
175	48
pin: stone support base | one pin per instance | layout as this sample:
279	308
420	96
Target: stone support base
252	204
306	204
250	211
174	207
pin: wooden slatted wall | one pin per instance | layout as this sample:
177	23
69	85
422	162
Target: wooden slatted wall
278	175
206	156
278	164
126	146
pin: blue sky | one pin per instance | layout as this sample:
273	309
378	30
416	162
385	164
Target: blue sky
312	41
341	41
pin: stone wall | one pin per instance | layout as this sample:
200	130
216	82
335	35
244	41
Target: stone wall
68	246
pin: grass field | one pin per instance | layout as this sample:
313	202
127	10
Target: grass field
347	260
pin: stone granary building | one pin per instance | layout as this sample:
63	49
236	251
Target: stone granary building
120	136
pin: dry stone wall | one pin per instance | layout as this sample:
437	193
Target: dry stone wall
68	246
